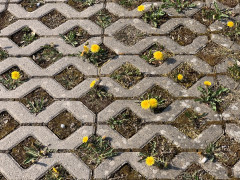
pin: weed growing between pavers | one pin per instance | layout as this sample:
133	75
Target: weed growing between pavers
182	35
178	5
196	172
7	124
3	54
6	19
12	83
126	123
213	95
189	75
95	150
81	5
53	19
191	123
37	100
104	18
69	77
76	36
130	35
234	71
24	37
126	172
68	121
229	3
233	32
97	98
31	5
46	56
160	150
148	55
131	4
58	172
156	99
97	54
28	152
127	75
155	16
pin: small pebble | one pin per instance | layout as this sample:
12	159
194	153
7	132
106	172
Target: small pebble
62	126
38	4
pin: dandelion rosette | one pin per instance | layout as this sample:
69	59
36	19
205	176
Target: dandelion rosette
158	55
15	75
141	8
95	48
150	161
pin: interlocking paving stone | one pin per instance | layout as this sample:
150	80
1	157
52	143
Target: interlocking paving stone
30	124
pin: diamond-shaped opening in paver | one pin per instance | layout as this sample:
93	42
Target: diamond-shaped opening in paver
81	5
148	56
104	18
53	19
18	152
31	5
162	149
130	35
127	75
204	16
97	99
24	37
57	172
3	54
6	19
161	95
69	77
101	57
37	100
7	124
229	3
95	150
213	53
131	4
154	17
227	151
182	35
195	171
190	76
46	56
127	172
191	123
64	124
76	36
2	177
8	82
127	123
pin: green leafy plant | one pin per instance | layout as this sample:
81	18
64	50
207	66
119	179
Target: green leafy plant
35	152
154	16
86	2
28	36
234	71
96	149
216	13
37	105
118	122
103	19
159	162
195	116
179	5
127	3
233	32
3	54
70	38
10	83
212	95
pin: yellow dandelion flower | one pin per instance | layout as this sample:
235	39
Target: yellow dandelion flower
141	8
93	83
85	49
15	75
95	48
230	24
55	170
158	55
207	83
180	77
85	139
145	104
150	161
153	103
104	137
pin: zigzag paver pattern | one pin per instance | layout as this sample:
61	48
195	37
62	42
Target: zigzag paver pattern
157	124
